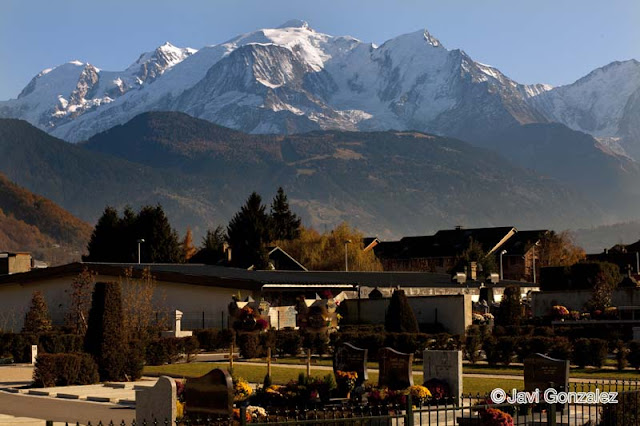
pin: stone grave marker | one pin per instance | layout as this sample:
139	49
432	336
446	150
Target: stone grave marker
282	317
157	403
210	395
396	369
34	354
347	357
445	366
540	370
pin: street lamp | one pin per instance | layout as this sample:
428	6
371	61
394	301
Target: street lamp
346	255
534	260
502	253
140	241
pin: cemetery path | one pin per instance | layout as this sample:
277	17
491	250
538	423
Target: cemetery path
60	410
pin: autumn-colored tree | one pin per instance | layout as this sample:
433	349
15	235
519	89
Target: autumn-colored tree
188	248
558	249
37	319
80	294
139	304
326	251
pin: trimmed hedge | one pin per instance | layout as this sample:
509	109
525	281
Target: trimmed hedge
168	350
211	339
65	370
18	345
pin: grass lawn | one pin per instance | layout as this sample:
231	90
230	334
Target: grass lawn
282	375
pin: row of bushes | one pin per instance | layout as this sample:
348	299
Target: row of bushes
211	339
169	350
65	370
18	345
415	343
503	349
282	343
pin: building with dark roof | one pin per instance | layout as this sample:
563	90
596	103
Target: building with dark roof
203	292
439	252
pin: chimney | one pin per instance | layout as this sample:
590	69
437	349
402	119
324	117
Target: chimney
459	227
474	270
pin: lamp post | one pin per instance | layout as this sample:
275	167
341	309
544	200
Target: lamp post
346	255
534	260
140	241
637	263
502	253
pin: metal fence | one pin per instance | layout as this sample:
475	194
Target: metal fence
472	410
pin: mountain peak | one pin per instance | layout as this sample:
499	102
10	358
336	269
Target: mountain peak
295	23
431	39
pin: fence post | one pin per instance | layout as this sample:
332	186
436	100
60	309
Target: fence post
243	415
409	414
203	320
49	423
551	415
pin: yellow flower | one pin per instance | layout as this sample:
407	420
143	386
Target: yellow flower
419	392
179	410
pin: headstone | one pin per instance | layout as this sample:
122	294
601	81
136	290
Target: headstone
282	317
157	403
445	366
541	370
396	369
209	395
177	328
34	354
347	357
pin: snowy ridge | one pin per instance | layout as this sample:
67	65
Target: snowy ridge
292	78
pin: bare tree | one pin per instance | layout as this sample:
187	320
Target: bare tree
140	304
80	293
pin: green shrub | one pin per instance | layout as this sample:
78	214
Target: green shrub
65	370
169	350
506	348
288	342
249	345
580	355
490	347
207	338
399	317
560	348
60	343
599	352
135	359
472	346
633	355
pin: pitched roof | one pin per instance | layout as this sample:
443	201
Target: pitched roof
522	242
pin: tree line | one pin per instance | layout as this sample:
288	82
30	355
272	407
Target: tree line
243	243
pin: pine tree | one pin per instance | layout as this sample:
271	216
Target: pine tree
399	317
187	246
510	312
248	233
285	225
161	240
37	319
104	245
105	339
212	248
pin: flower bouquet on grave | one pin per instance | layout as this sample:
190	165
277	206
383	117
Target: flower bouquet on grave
346	381
419	394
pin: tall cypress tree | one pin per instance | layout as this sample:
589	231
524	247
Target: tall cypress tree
105	339
248	233
399	317
285	225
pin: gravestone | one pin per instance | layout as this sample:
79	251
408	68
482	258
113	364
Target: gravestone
157	403
396	369
445	366
541	370
209	395
177	328
283	317
34	354
347	357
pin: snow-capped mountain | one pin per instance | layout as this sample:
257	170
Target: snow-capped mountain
292	78
605	103
59	95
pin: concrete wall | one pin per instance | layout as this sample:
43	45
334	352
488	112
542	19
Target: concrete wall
15	300
452	311
543	301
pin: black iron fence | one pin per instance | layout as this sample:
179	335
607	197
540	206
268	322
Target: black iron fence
582	404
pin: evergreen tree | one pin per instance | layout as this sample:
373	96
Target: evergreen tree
399	317
104	245
105	339
187	246
212	249
285	225
161	241
510	312
248	233
114	238
37	319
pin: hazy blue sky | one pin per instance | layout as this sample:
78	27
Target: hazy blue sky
532	41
